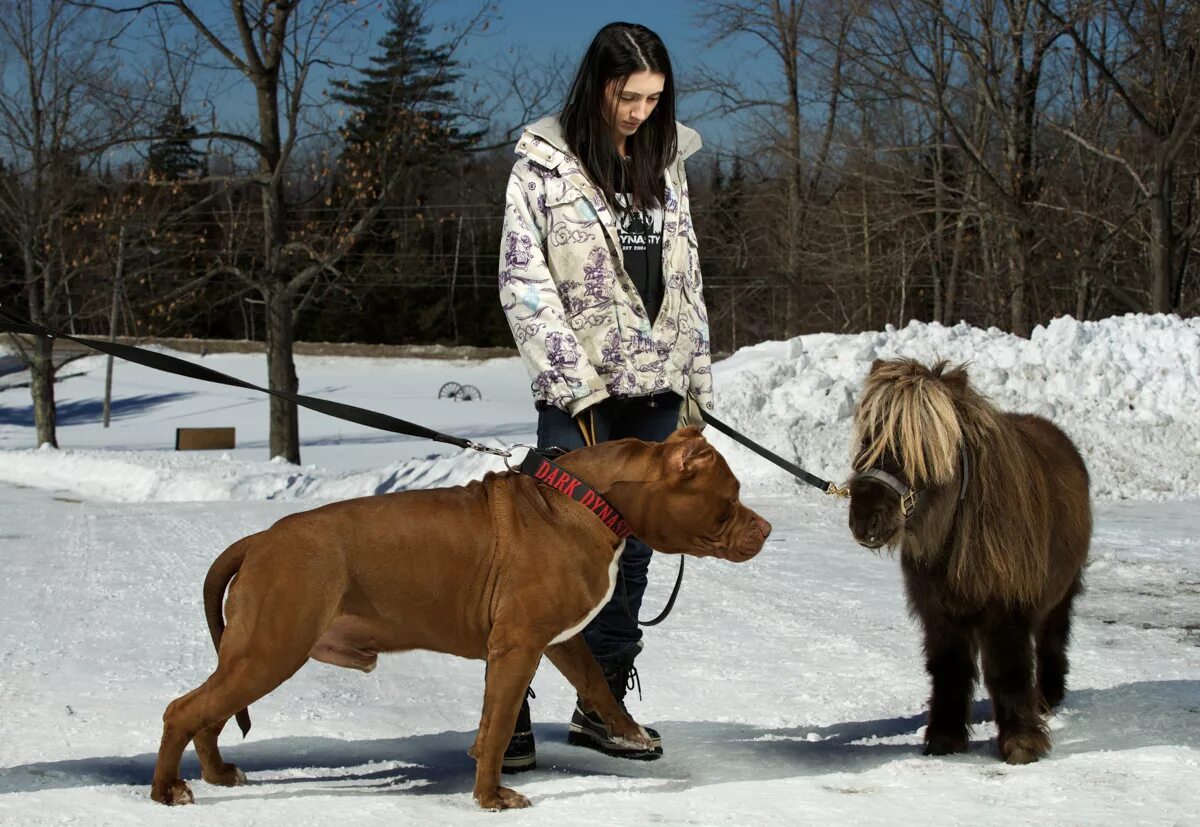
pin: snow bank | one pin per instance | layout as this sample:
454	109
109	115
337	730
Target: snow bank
1126	389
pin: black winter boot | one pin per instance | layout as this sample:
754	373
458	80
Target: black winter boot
587	730
521	754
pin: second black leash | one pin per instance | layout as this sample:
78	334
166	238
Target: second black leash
792	468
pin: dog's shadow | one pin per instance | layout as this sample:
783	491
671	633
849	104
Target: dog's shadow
699	752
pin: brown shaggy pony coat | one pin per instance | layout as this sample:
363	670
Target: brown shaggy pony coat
992	549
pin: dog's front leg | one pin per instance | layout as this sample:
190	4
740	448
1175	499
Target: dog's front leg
577	664
510	668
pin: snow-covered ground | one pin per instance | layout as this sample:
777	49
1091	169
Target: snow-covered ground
788	689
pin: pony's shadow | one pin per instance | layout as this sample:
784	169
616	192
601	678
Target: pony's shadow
700	753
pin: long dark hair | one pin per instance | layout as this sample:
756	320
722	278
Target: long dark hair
617	51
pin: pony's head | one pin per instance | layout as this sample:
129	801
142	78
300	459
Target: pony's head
908	440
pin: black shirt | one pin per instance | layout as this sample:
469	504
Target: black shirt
641	248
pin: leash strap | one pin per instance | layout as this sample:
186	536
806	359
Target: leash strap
793	469
666	609
181	367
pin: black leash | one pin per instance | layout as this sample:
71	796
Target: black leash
670	600
170	364
792	468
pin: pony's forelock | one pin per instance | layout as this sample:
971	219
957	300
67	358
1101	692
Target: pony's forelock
908	411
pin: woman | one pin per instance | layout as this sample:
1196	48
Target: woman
600	280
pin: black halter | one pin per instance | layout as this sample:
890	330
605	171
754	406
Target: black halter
911	498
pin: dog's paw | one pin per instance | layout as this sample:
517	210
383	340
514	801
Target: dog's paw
635	739
229	776
502	798
176	792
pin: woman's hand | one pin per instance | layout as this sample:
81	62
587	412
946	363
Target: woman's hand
689	414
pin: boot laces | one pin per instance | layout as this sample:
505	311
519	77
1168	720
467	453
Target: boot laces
632	681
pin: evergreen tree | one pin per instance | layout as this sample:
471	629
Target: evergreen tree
404	105
173	157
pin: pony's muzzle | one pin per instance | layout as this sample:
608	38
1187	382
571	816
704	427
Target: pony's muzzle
871	503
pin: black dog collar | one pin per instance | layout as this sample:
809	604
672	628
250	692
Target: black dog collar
560	479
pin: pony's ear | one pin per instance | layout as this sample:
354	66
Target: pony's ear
956	379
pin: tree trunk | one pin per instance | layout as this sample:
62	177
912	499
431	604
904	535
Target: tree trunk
1018	267
1161	243
41	358
281	373
41	387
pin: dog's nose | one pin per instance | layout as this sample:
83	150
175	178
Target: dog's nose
763	526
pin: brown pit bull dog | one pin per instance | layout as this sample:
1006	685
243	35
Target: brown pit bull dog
503	569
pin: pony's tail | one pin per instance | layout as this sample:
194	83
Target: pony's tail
223	570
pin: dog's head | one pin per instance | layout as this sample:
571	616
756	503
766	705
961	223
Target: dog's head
683	499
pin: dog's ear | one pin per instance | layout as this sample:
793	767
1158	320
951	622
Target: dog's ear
690	432
876	365
688	456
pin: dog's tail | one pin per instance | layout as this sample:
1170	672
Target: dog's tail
223	570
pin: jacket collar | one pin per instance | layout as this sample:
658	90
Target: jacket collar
543	141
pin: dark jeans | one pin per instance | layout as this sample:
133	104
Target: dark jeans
613	632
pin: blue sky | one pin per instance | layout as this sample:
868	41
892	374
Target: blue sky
527	27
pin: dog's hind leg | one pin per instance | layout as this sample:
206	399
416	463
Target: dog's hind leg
240	680
264	644
1052	640
510	668
213	768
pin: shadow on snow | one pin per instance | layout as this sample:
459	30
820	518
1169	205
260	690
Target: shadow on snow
1153	713
85	411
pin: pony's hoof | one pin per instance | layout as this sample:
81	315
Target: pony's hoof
942	743
1024	747
176	792
1019	755
229	776
502	799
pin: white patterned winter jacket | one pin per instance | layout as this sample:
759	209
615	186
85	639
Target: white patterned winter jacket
576	316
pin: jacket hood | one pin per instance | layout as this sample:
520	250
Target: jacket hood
554	149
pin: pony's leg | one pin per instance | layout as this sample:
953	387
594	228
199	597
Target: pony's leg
1008	673
1052	640
950	661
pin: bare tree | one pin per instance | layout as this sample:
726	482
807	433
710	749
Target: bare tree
278	48
807	41
60	106
1151	62
967	60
